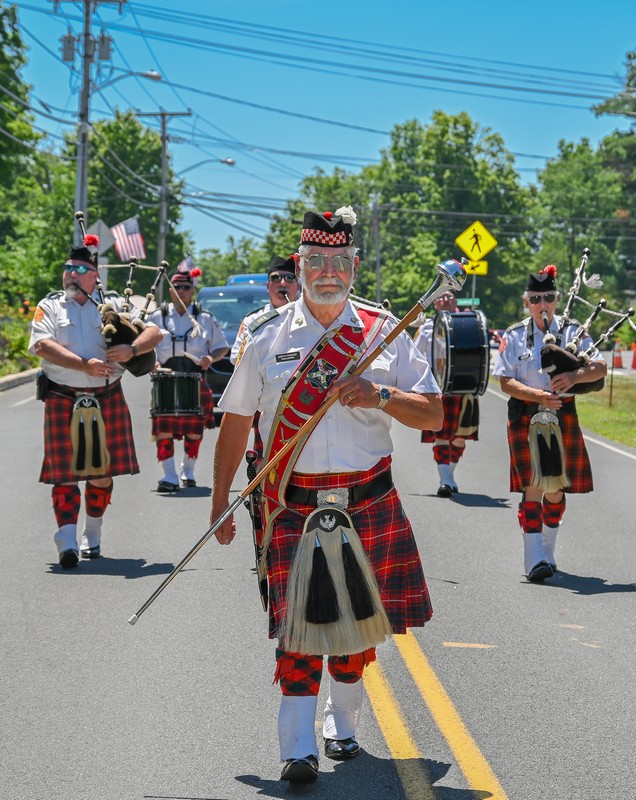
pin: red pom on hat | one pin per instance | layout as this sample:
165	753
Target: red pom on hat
194	273
550	270
328	215
91	240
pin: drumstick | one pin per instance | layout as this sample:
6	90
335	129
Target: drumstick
196	359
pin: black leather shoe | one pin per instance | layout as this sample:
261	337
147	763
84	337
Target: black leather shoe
540	572
189	483
444	490
166	486
341	749
91	552
300	770
68	559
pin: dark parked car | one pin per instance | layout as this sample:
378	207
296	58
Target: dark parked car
230	305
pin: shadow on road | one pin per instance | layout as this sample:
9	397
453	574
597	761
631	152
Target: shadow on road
347	779
128	568
470	500
189	491
587	584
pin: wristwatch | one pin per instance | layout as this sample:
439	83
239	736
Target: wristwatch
385	396
133	347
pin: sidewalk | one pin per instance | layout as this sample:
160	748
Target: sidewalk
9	381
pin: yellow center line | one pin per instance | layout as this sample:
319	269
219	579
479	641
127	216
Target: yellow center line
408	760
472	763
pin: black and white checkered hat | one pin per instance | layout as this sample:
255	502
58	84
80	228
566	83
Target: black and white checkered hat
329	229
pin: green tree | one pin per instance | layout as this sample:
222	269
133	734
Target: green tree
624	102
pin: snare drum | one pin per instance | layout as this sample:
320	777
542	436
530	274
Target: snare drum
176	394
461	356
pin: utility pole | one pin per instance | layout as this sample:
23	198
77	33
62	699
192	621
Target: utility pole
375	221
163	195
83	127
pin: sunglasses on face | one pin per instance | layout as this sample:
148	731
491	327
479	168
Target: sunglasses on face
182	287
320	261
81	269
275	277
535	299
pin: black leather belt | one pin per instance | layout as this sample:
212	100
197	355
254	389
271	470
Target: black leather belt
357	494
73	391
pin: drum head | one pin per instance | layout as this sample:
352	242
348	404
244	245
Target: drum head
461	356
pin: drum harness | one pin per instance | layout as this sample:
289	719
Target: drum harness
182	363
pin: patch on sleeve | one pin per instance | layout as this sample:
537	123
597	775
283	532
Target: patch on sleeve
38	315
239	355
503	343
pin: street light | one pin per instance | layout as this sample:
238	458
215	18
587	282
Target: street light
83	129
229	161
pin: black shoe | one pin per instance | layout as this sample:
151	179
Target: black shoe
341	749
455	489
91	552
300	770
540	572
166	486
189	483
68	559
444	490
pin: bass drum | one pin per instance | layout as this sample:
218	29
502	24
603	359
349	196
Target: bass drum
461	356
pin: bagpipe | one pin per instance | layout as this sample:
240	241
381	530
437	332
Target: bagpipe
556	359
119	327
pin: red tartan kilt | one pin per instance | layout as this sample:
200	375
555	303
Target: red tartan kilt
58	450
577	462
452	404
187	424
387	537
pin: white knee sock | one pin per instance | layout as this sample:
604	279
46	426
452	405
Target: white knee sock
532	550
66	538
169	471
342	711
548	538
92	532
297	727
187	468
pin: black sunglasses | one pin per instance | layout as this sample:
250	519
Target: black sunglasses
535	299
277	277
81	269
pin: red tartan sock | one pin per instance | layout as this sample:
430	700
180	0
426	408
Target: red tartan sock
97	499
456	453
349	669
191	447
530	516
299	675
66	504
553	512
442	453
165	449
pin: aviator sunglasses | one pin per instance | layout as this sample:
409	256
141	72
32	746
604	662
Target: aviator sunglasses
81	269
276	277
535	299
319	261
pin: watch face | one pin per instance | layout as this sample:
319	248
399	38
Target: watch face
385	394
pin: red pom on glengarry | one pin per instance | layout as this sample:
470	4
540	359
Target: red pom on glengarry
328	214
194	273
549	270
91	240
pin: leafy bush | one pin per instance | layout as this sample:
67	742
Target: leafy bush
15	330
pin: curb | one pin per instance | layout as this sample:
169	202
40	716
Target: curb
9	381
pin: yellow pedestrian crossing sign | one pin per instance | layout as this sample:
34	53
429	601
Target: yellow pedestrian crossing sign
476	267
476	241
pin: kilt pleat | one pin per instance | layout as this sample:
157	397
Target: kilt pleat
187	424
577	461
58	449
387	537
452	404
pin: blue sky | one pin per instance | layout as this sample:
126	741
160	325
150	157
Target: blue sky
362	66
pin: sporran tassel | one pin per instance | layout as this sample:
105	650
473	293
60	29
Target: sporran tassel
88	437
351	588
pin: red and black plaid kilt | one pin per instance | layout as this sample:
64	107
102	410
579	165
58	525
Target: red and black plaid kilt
187	424
452	404
577	462
58	449
386	535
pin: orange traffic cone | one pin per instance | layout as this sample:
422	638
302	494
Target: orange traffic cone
633	355
617	361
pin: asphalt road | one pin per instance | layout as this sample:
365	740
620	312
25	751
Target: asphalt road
182	704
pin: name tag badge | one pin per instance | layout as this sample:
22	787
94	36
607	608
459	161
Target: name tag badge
293	355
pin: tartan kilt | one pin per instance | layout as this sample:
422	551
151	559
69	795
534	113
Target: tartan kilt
187	424
387	538
452	404
577	461
58	449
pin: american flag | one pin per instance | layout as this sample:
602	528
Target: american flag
128	239
186	265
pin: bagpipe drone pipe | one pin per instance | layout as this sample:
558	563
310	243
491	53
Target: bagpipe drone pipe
120	327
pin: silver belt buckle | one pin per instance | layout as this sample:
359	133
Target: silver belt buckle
333	497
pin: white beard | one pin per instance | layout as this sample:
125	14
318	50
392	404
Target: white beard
325	298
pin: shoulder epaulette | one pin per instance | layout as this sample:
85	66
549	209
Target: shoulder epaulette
55	294
517	325
262	319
